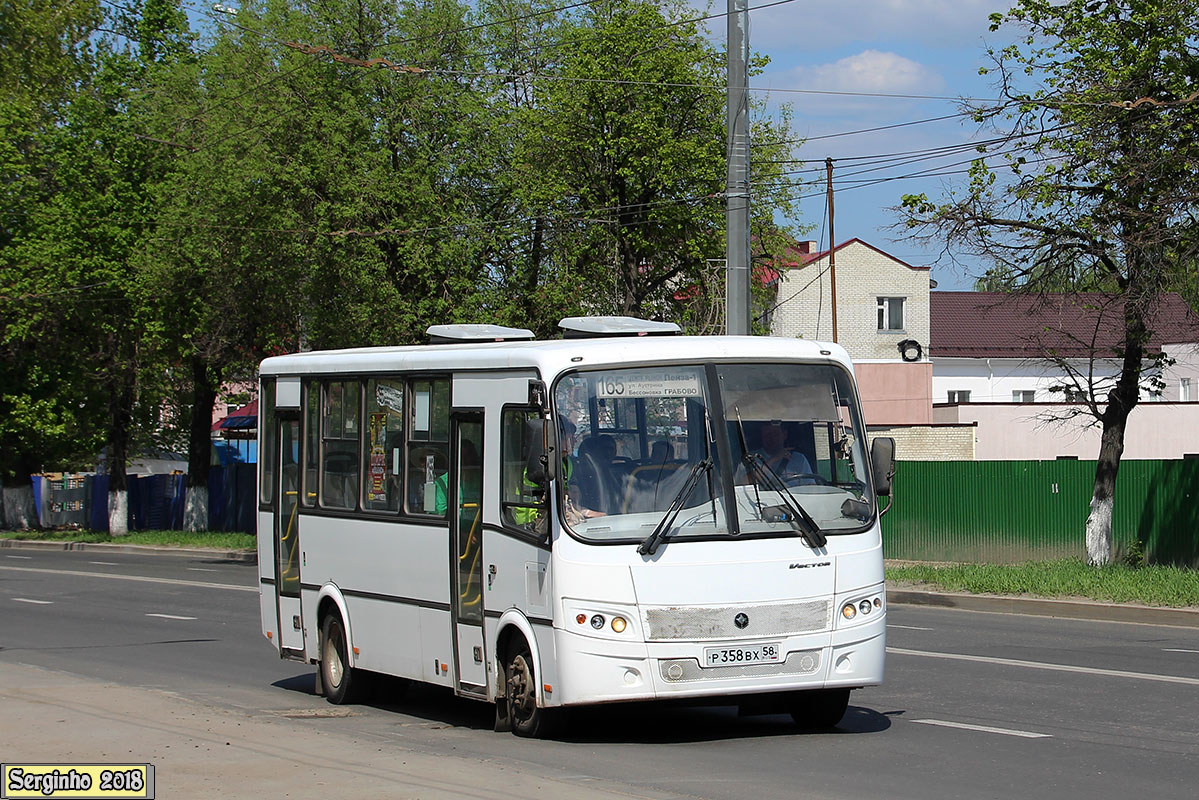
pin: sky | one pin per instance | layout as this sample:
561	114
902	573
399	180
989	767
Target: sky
879	54
880	47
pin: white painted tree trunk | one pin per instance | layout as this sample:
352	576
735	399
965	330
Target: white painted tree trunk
195	509
19	509
1099	532
118	513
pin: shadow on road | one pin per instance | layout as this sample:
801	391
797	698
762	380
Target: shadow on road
644	723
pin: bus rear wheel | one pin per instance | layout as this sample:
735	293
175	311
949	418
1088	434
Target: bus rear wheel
524	715
342	683
820	708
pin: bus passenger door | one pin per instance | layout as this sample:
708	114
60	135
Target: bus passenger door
466	537
287	536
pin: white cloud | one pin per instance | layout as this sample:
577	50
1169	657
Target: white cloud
867	71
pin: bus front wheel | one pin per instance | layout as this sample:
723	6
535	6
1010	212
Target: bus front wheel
340	680
524	715
819	709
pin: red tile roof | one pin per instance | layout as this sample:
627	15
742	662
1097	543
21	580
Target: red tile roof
800	257
244	417
1002	325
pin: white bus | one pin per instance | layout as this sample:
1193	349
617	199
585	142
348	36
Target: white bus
621	514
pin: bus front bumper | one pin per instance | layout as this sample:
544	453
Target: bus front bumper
592	670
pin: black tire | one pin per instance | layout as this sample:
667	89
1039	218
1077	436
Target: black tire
342	683
819	709
525	717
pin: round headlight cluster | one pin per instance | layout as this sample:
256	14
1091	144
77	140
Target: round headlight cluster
866	605
598	622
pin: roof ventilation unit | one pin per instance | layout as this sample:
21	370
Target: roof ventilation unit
595	327
466	334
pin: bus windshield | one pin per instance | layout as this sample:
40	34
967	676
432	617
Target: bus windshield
755	449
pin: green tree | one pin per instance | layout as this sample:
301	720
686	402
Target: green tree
45	399
1095	185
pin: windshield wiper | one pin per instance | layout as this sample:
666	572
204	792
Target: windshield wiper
792	511
650	545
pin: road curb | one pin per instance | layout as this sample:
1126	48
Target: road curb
1033	606
246	556
1043	607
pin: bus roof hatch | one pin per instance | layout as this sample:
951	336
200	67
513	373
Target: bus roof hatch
464	334
592	327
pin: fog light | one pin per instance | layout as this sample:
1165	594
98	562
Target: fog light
864	606
848	611
618	624
597	621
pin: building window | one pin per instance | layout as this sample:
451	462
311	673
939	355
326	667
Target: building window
1024	396
1184	390
890	313
959	395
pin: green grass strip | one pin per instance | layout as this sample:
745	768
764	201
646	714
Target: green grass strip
1067	578
218	540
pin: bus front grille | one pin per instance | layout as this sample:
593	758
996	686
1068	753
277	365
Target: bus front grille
680	670
704	623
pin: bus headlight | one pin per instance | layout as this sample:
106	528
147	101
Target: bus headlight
611	621
857	610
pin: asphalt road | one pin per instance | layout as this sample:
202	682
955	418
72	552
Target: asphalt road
974	705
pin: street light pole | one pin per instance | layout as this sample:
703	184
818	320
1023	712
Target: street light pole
737	276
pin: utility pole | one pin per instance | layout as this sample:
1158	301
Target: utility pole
737	276
832	248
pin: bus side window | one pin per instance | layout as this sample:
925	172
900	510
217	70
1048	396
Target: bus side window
383	438
312	441
428	436
523	502
267	455
339	428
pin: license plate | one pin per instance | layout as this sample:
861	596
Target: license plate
741	654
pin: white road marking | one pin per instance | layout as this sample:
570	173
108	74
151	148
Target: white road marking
909	627
1012	662
168	616
105	563
984	729
141	578
23	558
35	602
200	569
1177	650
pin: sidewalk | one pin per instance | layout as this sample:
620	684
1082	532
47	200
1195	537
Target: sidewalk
204	752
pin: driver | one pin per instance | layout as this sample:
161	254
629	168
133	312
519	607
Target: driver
775	453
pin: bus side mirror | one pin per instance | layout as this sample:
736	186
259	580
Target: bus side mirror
540	468
882	464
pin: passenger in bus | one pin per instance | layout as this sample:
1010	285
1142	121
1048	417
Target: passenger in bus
660	452
471	478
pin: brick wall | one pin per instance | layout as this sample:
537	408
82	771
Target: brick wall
929	442
864	274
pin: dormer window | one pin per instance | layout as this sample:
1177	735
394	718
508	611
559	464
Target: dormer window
890	313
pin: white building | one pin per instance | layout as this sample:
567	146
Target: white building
977	375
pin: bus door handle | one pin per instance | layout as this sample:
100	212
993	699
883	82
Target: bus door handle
490	575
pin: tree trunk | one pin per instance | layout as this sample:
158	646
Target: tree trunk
199	448
120	421
1120	403
1099	521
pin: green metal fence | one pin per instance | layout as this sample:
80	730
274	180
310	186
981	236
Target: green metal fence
1008	511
